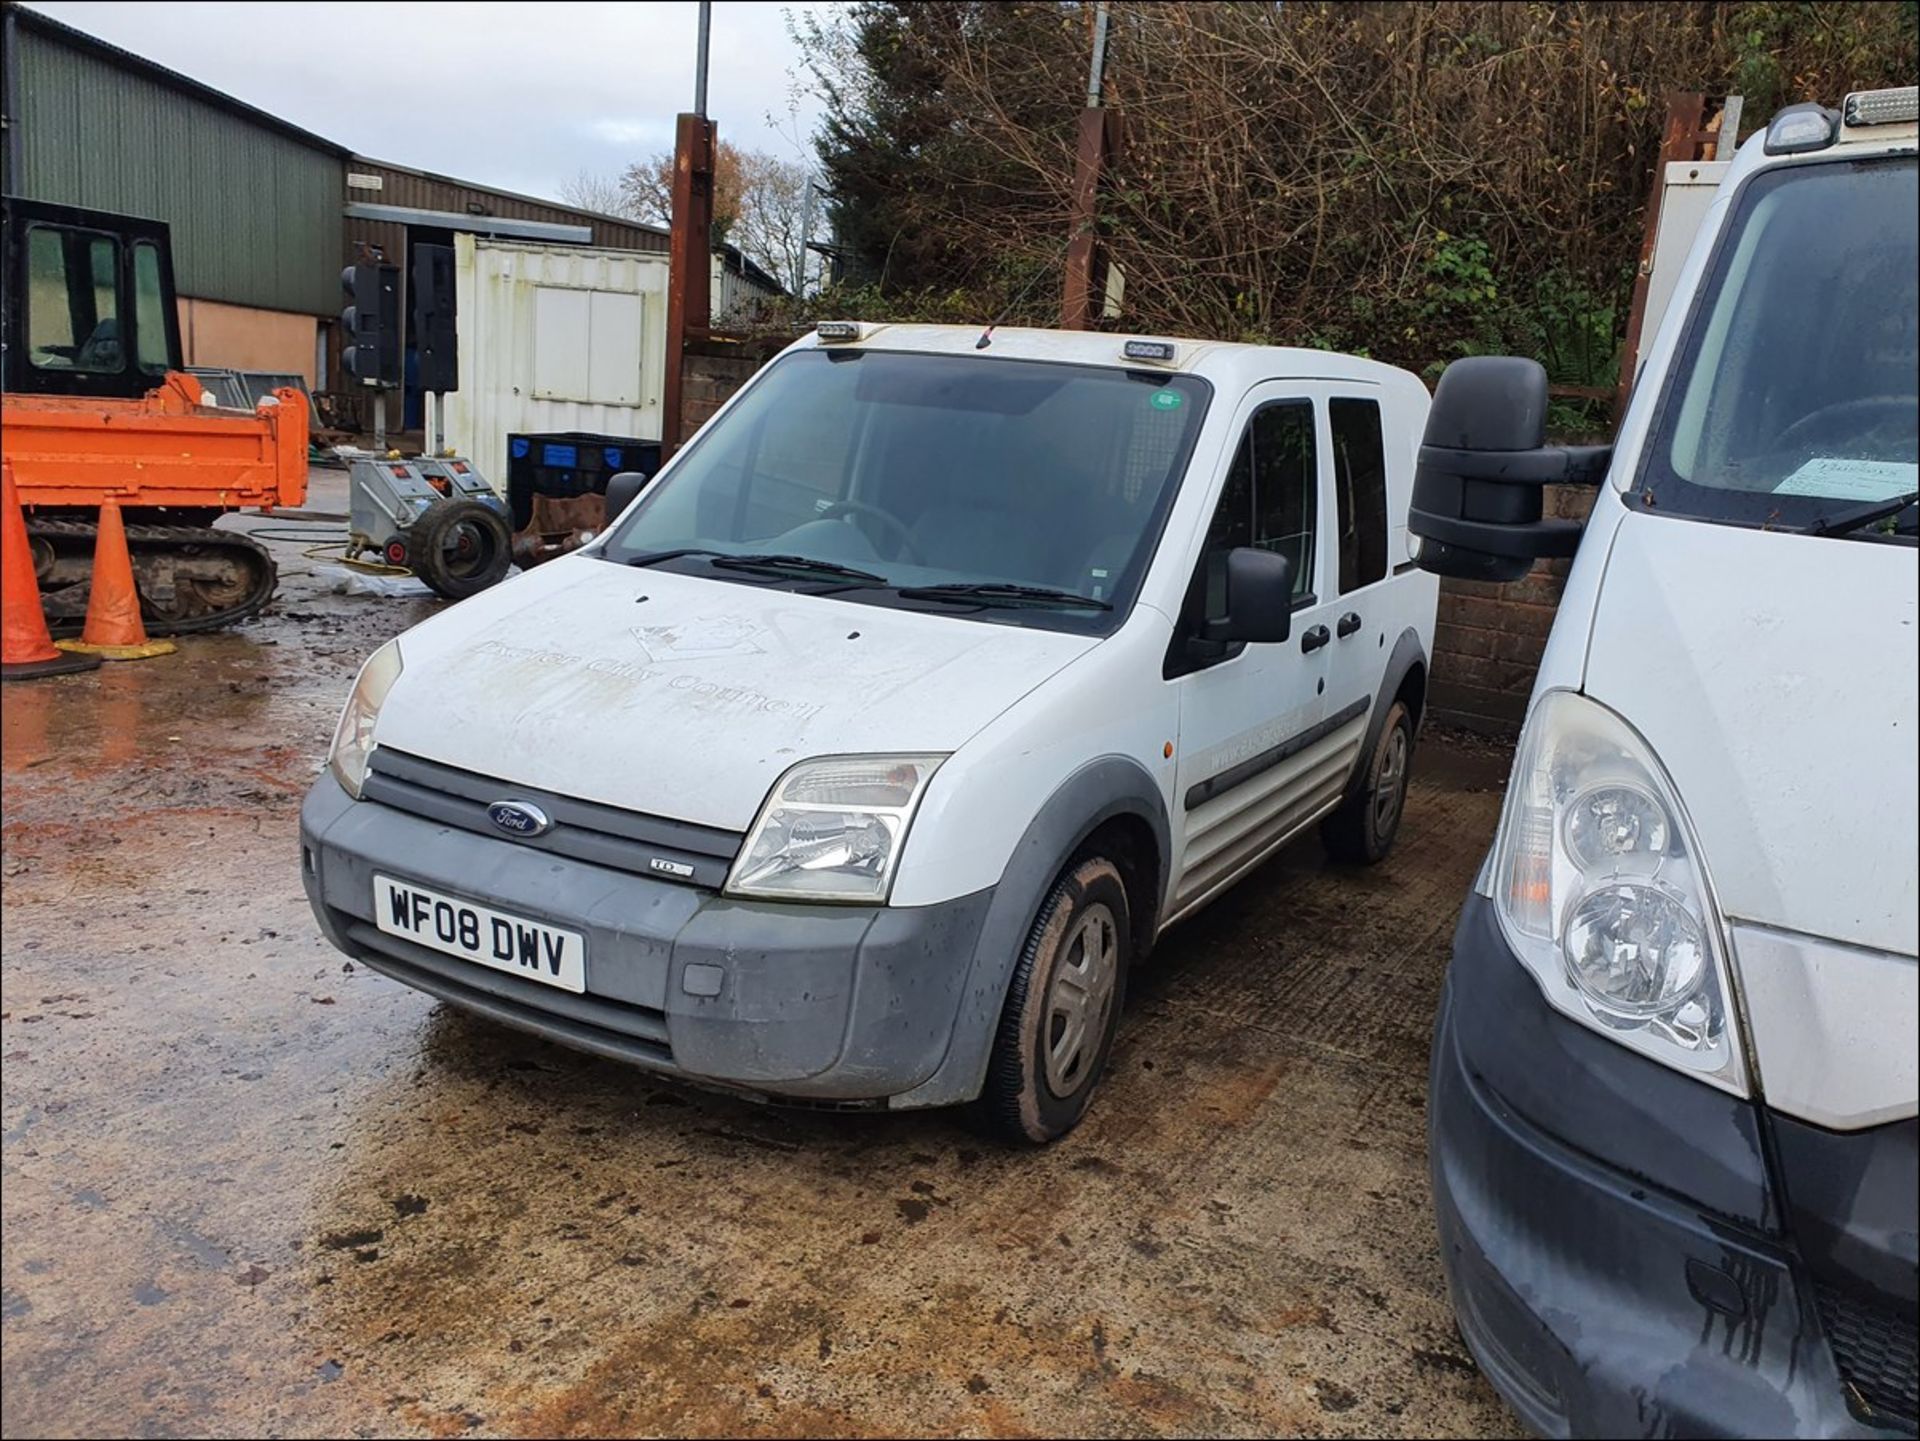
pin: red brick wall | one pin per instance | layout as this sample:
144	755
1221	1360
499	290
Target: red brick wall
1489	639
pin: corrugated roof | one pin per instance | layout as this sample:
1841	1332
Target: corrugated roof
173	79
449	180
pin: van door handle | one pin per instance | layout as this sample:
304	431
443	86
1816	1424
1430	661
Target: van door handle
1349	623
1314	639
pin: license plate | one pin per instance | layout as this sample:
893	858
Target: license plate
510	943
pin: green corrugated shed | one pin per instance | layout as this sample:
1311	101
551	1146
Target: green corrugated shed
253	202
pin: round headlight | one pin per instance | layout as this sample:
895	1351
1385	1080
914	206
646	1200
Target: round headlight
1634	948
1611	822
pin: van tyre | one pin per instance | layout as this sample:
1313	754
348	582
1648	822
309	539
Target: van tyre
1361	832
459	547
1062	1008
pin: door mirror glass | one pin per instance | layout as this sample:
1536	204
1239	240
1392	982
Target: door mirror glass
1258	586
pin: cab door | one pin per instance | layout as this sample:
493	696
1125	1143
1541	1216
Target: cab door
1255	764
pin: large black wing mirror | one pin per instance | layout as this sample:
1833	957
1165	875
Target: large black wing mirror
1259	585
622	490
1484	465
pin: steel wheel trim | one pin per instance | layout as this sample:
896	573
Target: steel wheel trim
1078	1000
1390	781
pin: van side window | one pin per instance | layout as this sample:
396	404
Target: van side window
73	311
1360	482
1285	485
1268	500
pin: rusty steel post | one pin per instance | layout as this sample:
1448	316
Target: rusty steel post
1076	295
1090	158
689	262
1679	141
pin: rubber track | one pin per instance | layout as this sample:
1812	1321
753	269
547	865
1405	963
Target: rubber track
146	539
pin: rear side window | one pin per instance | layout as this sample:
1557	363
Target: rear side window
1360	483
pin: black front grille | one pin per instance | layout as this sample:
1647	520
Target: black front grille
601	835
1875	1351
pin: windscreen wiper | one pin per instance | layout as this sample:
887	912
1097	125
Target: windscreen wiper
989	592
654	557
1843	521
791	564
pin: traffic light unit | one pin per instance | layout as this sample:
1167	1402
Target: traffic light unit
370	325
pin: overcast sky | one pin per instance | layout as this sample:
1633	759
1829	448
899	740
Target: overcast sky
516	96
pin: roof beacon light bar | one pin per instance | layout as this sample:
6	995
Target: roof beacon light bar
1900	106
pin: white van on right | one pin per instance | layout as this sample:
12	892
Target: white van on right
1672	1119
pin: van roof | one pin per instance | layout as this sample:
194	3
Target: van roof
1247	363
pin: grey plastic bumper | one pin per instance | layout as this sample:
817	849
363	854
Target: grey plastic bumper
1614	1247
824	1003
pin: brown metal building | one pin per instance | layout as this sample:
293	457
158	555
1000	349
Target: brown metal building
384	202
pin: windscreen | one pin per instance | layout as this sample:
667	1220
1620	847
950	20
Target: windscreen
1794	398
919	475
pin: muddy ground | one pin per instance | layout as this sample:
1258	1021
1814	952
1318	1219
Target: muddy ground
252	1189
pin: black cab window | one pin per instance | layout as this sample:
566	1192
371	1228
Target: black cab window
1360	485
73	312
149	309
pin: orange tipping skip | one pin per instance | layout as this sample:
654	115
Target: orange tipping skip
165	448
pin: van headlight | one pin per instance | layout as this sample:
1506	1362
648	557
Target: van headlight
832	829
1600	888
353	738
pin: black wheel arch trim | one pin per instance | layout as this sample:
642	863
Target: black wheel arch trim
1407	652
1099	791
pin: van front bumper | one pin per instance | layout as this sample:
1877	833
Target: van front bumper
819	1003
1619	1255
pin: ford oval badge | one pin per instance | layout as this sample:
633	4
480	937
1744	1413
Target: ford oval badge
519	818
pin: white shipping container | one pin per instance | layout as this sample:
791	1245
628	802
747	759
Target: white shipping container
555	337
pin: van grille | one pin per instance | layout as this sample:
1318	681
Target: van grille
1875	1351
601	835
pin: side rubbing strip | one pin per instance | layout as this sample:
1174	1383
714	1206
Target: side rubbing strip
1405	566
1200	792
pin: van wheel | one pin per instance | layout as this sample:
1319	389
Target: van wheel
1062	1009
1362	830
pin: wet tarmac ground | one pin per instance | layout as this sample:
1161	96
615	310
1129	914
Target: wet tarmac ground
253	1189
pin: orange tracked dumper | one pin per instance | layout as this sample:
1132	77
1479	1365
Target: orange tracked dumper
97	407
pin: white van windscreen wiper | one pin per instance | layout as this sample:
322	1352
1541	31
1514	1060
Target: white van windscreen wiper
988	592
1843	521
654	557
799	564
763	564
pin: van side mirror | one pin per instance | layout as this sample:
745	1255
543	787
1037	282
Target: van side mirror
1259	586
621	490
1484	464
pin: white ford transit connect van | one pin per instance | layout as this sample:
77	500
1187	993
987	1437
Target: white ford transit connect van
932	681
1673	1100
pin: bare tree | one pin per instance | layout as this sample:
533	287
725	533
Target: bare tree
602	194
759	204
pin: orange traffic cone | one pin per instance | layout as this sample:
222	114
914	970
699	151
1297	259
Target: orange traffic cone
26	649
113	630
